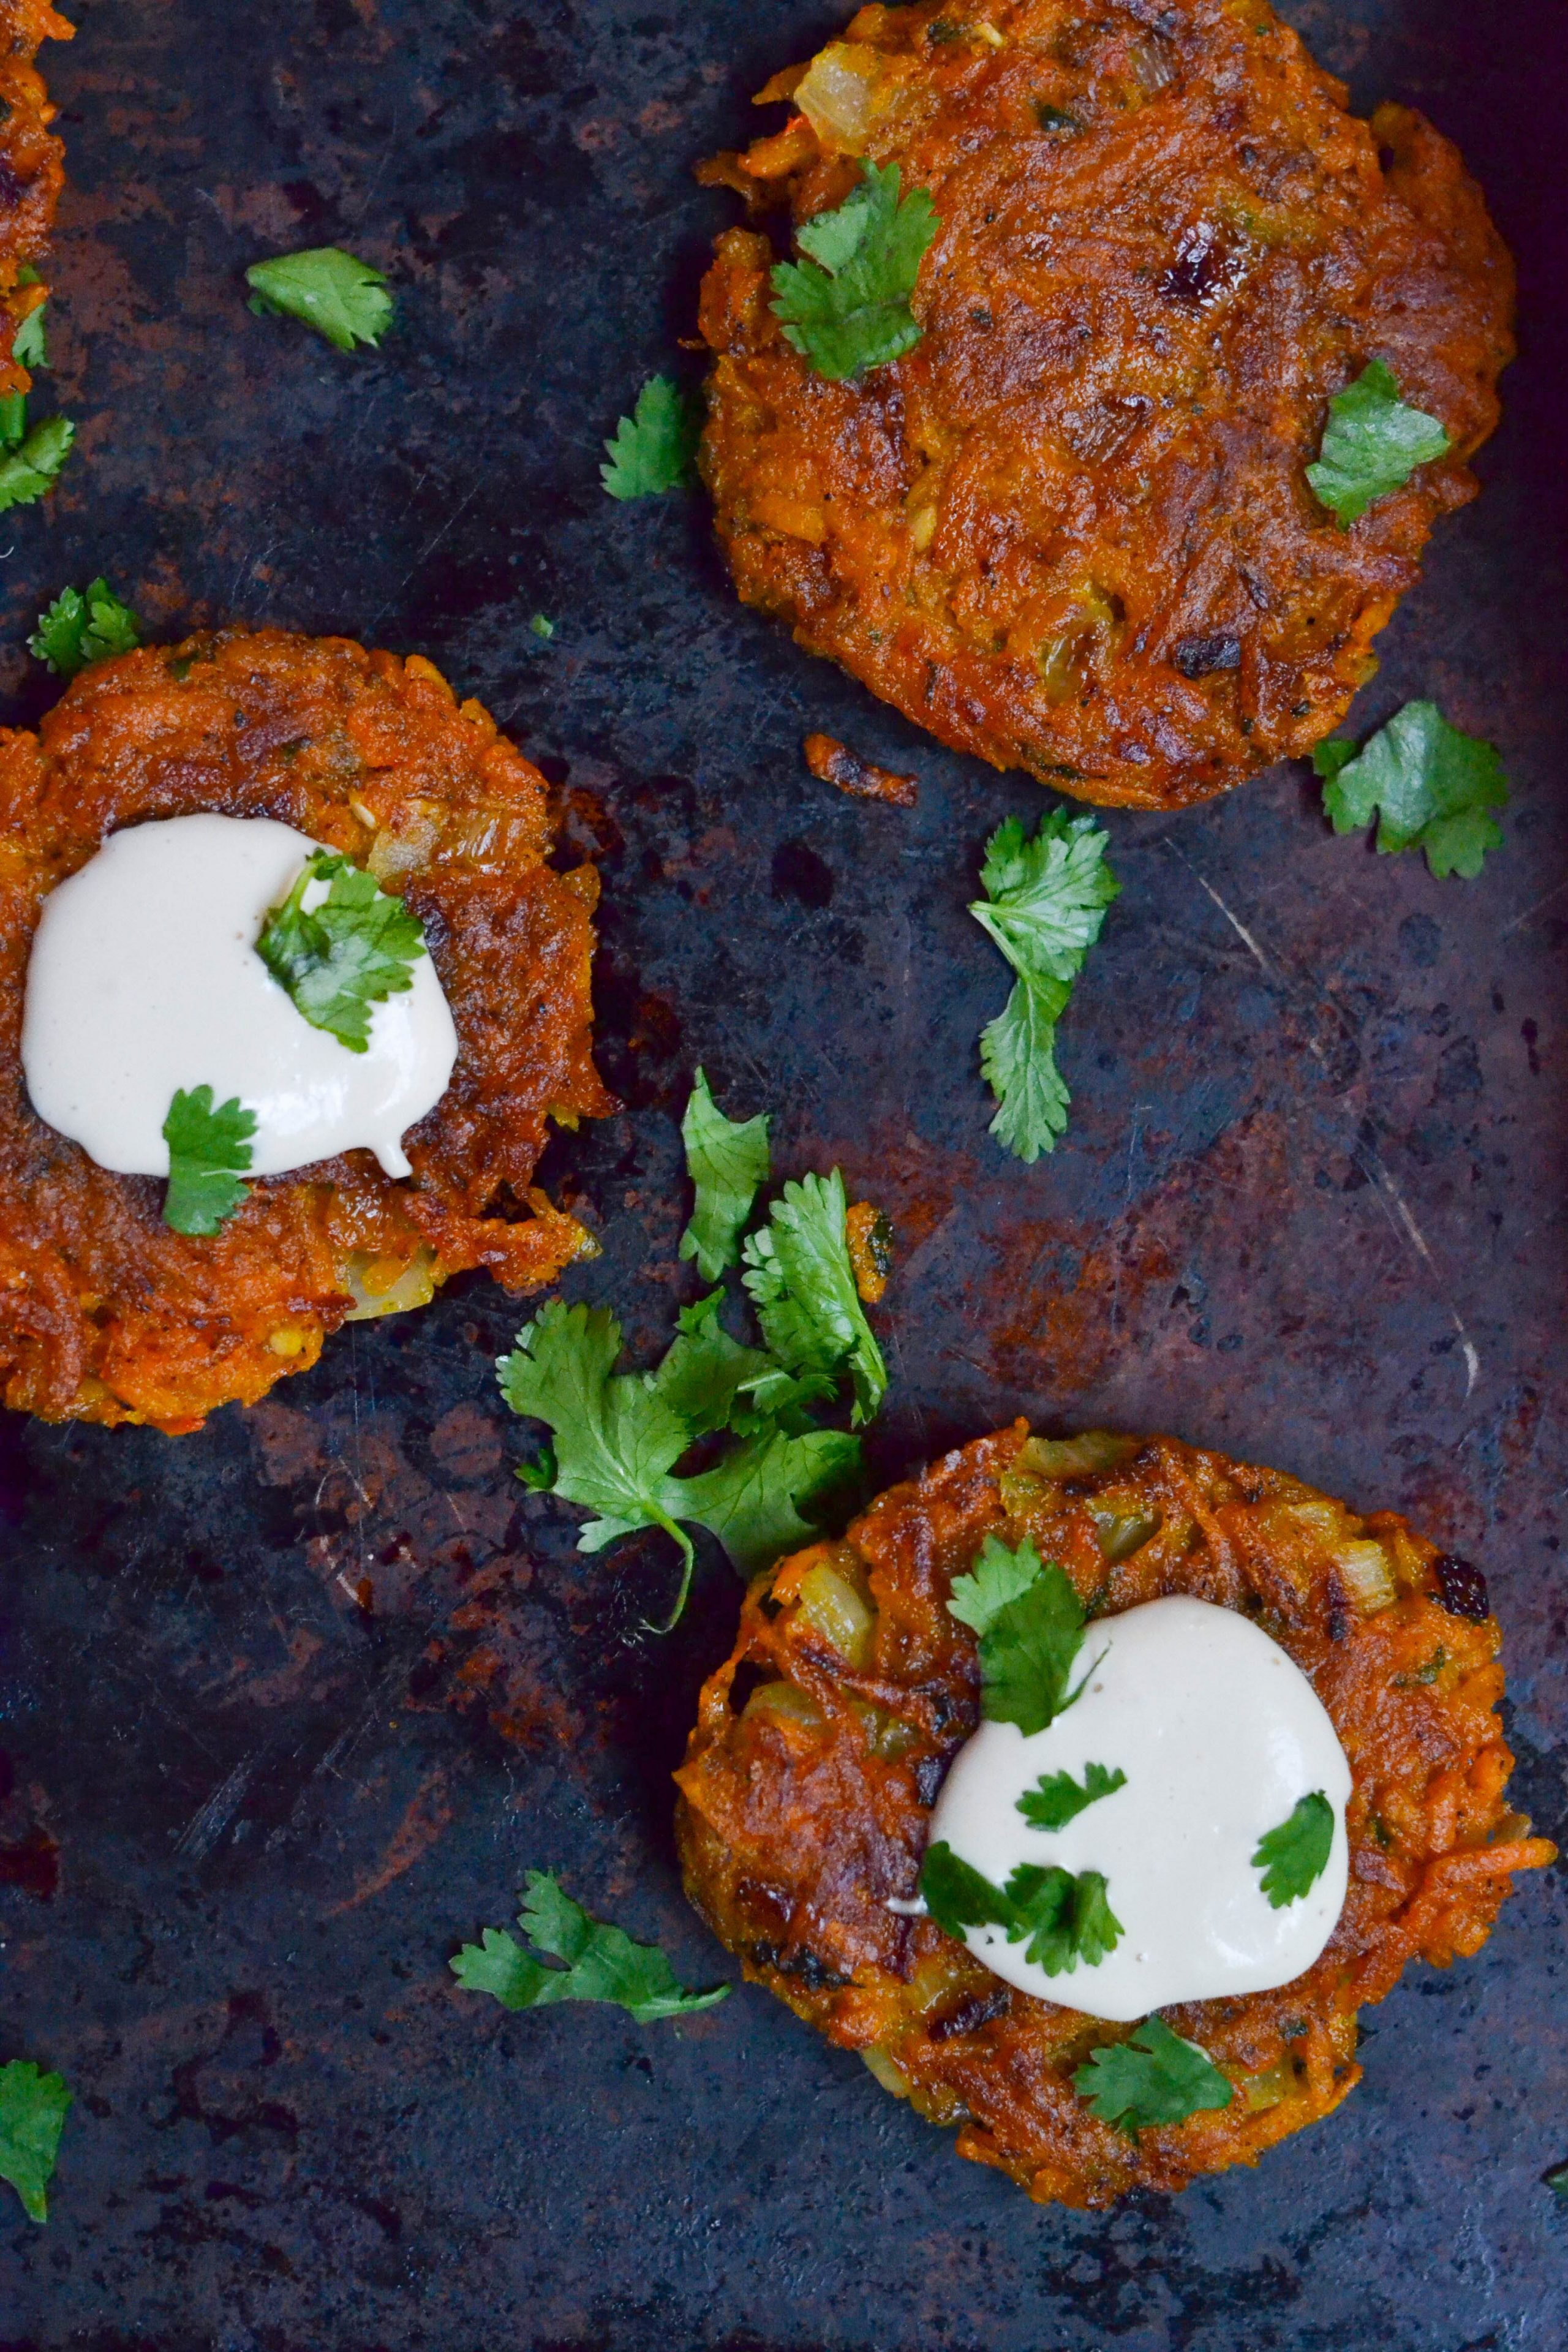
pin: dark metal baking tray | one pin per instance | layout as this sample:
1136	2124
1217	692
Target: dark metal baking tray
1309	1209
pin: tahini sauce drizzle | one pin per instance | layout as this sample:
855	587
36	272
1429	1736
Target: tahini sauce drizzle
144	979
1218	1733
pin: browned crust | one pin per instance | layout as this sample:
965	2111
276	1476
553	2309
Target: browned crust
833	762
32	169
1026	532
105	1313
794	1833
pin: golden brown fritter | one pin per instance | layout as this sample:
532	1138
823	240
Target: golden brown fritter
105	1313
32	169
822	1742
1071	531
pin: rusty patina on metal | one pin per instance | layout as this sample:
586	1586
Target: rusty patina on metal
288	1707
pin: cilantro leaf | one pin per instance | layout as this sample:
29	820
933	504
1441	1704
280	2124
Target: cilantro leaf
1044	905
30	469
542	626
802	1284
1153	2077
1294	1857
616	1437
602	1963
958	1896
619	1435
29	348
727	1159
1057	1798
341	958
82	625
1372	444
343	298
847	306
756	1499
655	448
1030	1632
1062	1919
207	1151
32	2116
1557	2181
1429	785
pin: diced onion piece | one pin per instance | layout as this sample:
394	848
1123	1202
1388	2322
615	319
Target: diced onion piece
786	1699
1076	1457
1121	1533
1267	2090
841	98
831	1607
384	1286
891	2077
1367	1575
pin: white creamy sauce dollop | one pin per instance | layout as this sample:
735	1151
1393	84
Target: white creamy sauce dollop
144	980
1219	1734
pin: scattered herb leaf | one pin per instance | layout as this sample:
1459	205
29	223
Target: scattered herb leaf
1057	1798
341	958
847	306
32	2116
343	298
33	467
1044	905
602	1963
1372	444
1294	1857
1429	785
1030	1632
29	347
1557	2181
728	1161
82	625
802	1282
1153	2077
619	1435
542	626
208	1151
1062	1919
655	448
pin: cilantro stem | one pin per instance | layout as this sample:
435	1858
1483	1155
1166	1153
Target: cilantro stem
688	1554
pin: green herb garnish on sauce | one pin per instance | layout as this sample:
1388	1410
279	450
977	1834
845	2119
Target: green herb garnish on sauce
208	1151
1294	1857
1060	1918
1057	1798
341	959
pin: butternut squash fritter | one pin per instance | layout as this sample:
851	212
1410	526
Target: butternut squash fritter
105	1313
32	170
822	1742
1071	531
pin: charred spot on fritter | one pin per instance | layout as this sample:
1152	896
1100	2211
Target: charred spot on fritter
1070	530
106	1312
804	1811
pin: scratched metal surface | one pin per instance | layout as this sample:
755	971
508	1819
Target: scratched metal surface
1309	1209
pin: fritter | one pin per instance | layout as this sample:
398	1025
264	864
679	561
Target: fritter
1071	531
32	170
822	1742
108	1315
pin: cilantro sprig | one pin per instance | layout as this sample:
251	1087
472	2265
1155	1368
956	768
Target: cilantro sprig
617	1437
1060	1918
728	1162
84	625
1044	905
1372	443
209	1148
1057	1798
800	1279
655	449
845	307
341	958
1030	1622
1429	785
342	298
1153	2077
598	1962
33	2107
30	460
1294	1857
